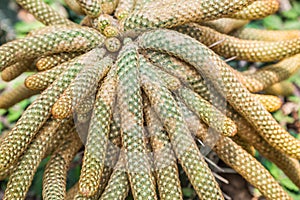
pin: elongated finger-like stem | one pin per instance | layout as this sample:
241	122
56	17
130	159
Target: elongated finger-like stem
236	158
43	12
250	50
42	80
55	175
265	35
50	29
131	112
195	81
244	144
175	67
240	160
183	144
111	157
118	185
289	166
246	132
124	8
17	69
73	5
169	81
270	102
207	112
108	6
247	166
95	149
269	75
257	10
12	96
84	84
72	40
284	88
196	126
20	180
90	7
76	195
173	13
227	84
7	172
63	133
48	62
36	114
225	25
186	73
189	76
165	162
86	105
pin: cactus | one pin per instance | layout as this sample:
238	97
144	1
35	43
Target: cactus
140	82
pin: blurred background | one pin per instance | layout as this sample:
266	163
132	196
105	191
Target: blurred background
15	22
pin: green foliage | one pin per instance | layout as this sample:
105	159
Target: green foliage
188	192
284	20
272	22
289	186
37	183
73	174
22	28
282	118
287	20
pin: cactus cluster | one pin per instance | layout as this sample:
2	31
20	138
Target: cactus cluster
135	85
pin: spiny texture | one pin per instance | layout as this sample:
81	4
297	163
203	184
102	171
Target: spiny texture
234	156
181	139
210	115
271	103
47	62
166	170
41	80
137	80
50	29
130	103
27	165
284	88
43	12
81	86
17	69
226	83
257	10
118	185
269	75
90	7
35	116
181	12
93	160
265	35
54	181
245	164
12	96
124	8
250	50
77	39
